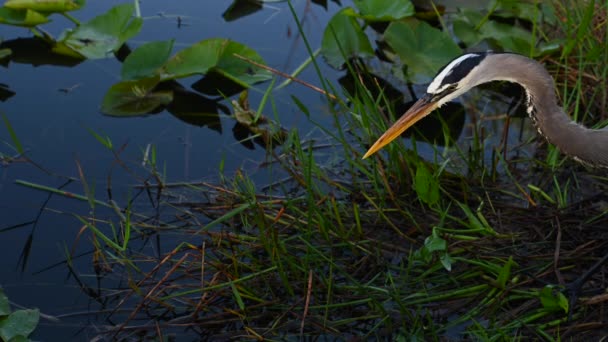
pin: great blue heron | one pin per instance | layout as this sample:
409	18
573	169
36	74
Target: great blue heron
589	146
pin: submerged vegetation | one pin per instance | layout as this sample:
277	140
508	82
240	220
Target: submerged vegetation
450	236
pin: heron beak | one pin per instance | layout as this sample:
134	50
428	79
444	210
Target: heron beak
423	107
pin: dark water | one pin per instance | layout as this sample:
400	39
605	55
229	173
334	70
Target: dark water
53	127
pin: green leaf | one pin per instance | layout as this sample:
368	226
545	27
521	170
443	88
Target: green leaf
26	18
446	261
5	308
217	55
385	10
45	5
465	26
146	60
19	323
344	39
435	243
130	98
517	9
508	37
553	300
422	48
102	35
426	186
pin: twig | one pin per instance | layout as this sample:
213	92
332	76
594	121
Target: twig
282	74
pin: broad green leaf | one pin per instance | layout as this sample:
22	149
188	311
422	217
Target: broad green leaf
27	18
422	48
426	186
132	98
146	60
104	34
465	26
529	11
344	39
384	10
5	308
508	37
45	5
435	243
19	323
553	300
217	55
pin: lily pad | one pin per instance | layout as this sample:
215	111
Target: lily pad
508	37
218	55
146	60
20	323
102	35
344	39
134	98
421	47
385	10
26	18
45	5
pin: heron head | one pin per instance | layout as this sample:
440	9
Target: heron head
457	77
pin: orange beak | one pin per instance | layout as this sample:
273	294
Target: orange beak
423	107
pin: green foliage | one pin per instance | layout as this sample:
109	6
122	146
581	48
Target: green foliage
146	60
102	35
384	10
16	325
149	65
135	97
426	185
422	48
553	300
26	18
58	6
216	55
343	39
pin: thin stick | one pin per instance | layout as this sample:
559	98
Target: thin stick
282	74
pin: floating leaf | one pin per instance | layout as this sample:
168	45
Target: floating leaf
509	37
146	60
132	98
45	5
20	323
421	47
385	10
344	39
102	35
27	18
217	55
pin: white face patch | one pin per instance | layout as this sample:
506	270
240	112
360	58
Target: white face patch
436	86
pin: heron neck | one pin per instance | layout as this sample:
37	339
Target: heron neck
579	142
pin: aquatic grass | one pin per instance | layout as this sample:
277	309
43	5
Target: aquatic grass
347	247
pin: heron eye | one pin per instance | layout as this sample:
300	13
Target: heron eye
450	89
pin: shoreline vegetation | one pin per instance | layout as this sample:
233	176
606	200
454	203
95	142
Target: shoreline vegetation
471	241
